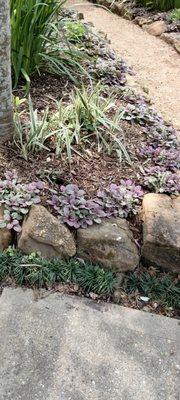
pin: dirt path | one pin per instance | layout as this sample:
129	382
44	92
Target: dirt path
156	64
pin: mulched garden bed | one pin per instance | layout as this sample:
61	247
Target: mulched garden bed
89	169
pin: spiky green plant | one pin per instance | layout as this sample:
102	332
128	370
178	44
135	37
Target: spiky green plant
159	287
86	119
35	271
31	134
37	41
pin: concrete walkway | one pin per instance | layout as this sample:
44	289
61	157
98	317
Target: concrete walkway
69	348
156	64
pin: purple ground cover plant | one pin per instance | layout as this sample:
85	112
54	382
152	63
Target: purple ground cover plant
168	158
160	180
74	209
161	147
120	200
157	131
129	96
16	199
161	134
141	114
111	72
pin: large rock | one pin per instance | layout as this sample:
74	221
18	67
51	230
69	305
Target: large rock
157	28
5	234
161	231
42	232
172	38
110	244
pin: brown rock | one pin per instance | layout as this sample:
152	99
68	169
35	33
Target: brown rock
5	234
156	28
42	232
110	244
161	231
172	38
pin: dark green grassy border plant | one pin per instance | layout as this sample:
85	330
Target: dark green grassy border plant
34	271
163	287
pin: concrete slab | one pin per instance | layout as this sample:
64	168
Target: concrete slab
69	348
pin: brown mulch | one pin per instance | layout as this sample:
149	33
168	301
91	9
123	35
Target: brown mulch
89	169
45	90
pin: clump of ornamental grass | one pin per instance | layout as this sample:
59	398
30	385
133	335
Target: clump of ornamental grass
86	120
16	198
33	270
31	133
38	42
160	180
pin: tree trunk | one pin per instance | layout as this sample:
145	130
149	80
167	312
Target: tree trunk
6	111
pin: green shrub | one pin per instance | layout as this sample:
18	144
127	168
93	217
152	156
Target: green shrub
75	31
162	5
175	15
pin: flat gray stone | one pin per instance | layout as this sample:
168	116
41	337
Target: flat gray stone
69	348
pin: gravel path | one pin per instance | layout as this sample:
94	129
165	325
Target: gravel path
156	64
